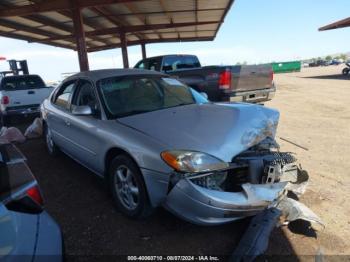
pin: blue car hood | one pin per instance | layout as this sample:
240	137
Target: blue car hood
222	130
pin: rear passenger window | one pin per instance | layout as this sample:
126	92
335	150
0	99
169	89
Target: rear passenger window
64	94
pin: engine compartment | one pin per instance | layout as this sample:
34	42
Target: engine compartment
260	164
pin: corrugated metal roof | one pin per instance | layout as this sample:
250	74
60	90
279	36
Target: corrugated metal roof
202	20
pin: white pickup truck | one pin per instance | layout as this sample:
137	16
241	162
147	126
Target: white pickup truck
21	95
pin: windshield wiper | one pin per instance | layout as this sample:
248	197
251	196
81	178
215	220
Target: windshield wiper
133	112
181	104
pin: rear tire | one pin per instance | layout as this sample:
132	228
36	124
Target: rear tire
346	71
50	144
128	188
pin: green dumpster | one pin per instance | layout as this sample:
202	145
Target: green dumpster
285	67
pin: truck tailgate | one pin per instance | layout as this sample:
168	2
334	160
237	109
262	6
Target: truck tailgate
253	77
27	97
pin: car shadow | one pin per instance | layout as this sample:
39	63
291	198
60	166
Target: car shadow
93	229
330	77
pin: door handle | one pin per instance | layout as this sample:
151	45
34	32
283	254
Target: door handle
31	92
67	122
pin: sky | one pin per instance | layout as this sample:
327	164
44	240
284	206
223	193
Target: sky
255	31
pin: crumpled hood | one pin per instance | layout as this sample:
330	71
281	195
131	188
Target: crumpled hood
221	130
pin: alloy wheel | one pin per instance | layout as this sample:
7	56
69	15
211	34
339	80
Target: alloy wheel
126	187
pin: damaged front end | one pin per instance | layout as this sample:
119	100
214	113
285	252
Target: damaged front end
256	179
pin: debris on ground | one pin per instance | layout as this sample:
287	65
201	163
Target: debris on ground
256	238
293	210
11	135
35	130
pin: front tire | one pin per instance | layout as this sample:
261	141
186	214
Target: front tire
50	144
128	188
345	71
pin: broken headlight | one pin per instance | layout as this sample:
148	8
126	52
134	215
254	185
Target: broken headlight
192	162
211	181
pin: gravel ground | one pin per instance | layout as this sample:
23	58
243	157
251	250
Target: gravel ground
78	200
315	113
312	114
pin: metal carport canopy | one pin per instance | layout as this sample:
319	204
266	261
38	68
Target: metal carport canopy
96	25
339	24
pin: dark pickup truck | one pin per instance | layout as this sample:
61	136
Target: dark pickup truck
239	83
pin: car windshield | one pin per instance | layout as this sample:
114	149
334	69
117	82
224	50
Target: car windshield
128	96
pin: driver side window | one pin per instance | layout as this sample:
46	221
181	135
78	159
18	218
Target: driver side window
86	96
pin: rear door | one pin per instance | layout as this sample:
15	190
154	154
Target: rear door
24	90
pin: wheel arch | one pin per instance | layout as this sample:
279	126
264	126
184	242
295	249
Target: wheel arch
114	152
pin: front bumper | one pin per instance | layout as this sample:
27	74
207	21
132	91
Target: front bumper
203	206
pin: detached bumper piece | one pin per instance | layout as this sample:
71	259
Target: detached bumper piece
256	180
256	238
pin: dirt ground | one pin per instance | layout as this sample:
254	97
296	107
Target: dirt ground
315	113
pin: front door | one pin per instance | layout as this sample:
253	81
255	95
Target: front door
83	130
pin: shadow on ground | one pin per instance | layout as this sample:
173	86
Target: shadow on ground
79	202
329	77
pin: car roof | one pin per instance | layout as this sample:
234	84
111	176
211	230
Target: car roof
96	75
152	57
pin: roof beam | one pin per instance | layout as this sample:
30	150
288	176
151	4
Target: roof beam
130	29
135	11
55	5
62	26
48	22
21	27
162	4
87	23
339	24
151	41
32	39
43	20
161	12
37	31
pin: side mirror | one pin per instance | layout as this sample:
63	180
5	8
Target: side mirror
204	94
82	111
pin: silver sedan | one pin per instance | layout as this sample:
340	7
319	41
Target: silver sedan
158	142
